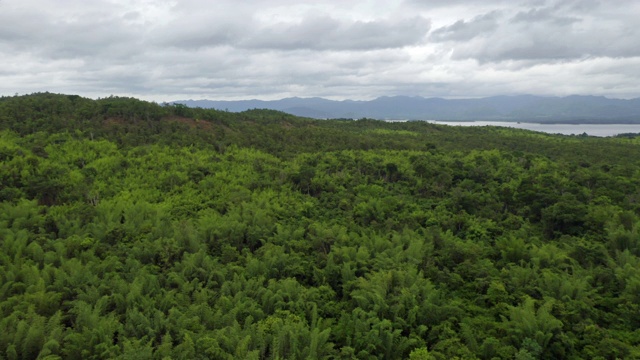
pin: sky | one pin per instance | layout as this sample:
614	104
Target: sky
162	50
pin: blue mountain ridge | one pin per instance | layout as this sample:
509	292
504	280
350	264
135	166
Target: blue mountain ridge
525	108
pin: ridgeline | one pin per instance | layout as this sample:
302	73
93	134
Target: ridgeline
130	229
573	109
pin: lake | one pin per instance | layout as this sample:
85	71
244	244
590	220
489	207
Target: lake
566	129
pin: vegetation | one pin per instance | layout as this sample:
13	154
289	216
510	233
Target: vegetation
134	230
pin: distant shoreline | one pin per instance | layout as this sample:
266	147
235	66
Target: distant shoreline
600	130
554	122
524	108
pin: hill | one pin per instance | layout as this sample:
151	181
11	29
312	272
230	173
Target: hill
525	108
134	230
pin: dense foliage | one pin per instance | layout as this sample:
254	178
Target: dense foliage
134	230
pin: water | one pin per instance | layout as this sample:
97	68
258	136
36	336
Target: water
566	129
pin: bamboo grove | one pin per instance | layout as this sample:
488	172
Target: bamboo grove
132	230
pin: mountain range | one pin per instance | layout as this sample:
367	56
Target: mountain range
525	108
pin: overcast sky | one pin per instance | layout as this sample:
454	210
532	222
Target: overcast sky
269	49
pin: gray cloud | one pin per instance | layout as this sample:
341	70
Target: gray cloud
550	33
472	5
326	33
449	3
319	32
53	36
466	30
165	49
543	15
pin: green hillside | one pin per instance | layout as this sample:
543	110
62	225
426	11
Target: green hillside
132	230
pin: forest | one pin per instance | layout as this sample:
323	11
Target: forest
136	230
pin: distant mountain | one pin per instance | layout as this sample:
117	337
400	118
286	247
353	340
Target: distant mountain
525	108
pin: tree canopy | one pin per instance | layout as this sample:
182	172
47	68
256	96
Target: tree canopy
131	229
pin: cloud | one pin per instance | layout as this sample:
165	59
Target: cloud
463	30
531	35
168	49
430	4
317	32
544	16
326	33
47	34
